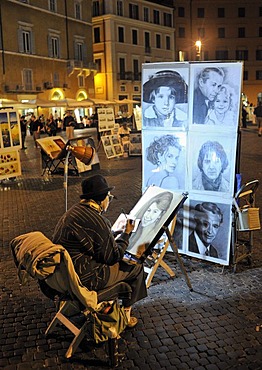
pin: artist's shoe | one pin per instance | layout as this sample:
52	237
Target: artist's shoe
132	322
259	134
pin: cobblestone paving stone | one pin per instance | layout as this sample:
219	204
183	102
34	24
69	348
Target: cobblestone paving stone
212	327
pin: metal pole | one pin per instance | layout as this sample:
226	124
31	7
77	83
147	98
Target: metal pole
66	177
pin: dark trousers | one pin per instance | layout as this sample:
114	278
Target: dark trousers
133	275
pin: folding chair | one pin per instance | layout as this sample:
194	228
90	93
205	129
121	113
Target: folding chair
245	221
37	257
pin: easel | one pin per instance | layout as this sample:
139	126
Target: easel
155	260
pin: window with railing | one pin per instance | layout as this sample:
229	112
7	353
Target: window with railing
245	75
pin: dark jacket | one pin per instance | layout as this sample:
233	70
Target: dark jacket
199	107
193	247
87	236
258	111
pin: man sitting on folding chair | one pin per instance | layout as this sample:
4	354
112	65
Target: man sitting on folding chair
96	254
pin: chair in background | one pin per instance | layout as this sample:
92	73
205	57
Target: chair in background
245	222
37	257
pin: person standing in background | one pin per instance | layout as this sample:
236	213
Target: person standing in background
35	127
69	124
23	128
258	114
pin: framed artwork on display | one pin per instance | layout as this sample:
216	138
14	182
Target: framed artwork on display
106	119
201	154
112	146
164	159
214	95
165	95
135	143
208	229
10	134
212	163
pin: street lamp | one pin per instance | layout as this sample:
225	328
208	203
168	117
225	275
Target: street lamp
198	45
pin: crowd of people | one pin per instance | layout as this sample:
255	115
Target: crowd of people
52	125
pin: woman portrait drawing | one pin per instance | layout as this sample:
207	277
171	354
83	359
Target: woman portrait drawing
150	216
164	153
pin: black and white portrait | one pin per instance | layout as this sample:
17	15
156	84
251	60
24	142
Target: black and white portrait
164	159
215	91
209	230
165	96
153	209
212	158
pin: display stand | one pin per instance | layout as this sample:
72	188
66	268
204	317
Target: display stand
156	259
10	144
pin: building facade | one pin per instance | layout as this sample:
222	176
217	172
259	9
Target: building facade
127	34
228	30
46	50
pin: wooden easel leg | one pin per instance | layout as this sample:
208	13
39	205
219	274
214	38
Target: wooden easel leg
178	258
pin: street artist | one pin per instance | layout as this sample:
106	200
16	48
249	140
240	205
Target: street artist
97	256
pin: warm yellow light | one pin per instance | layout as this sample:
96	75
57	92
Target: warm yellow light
198	44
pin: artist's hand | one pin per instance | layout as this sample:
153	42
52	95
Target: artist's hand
130	225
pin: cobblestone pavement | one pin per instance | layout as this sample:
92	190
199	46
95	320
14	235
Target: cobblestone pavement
212	327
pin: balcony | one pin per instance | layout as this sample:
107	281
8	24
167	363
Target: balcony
82	66
15	88
129	76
